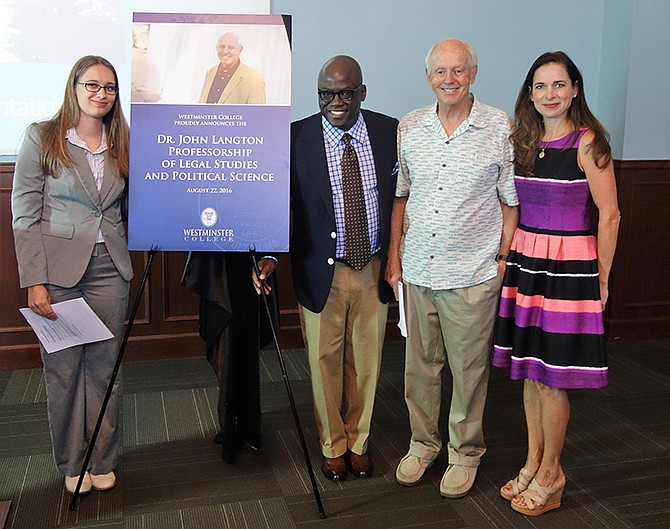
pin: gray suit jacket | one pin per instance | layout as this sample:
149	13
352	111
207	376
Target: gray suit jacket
56	220
246	87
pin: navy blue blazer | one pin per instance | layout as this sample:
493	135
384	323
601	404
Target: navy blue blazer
313	232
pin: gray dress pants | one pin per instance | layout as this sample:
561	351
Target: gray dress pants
77	378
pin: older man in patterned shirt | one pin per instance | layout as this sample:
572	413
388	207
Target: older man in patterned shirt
452	224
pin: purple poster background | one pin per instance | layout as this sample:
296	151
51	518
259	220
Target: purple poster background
209	177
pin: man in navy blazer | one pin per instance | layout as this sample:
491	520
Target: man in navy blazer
342	309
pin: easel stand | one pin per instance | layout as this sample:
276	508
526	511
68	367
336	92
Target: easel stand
289	392
124	343
117	366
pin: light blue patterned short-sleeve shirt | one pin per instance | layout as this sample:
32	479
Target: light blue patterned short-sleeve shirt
454	185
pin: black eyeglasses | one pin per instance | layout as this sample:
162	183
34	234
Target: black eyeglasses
95	88
345	95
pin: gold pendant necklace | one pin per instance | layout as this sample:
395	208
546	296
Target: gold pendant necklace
541	154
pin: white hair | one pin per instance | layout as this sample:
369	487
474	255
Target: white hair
472	56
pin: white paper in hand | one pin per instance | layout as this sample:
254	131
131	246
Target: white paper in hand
402	323
76	324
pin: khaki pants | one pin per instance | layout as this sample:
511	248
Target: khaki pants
344	343
460	321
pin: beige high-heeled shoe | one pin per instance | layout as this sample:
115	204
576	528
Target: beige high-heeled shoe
103	482
536	499
71	484
516	486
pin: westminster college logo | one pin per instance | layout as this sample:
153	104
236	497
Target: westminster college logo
208	217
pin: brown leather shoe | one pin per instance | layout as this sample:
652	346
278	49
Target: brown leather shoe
334	468
360	465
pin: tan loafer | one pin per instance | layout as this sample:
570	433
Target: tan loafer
411	469
457	481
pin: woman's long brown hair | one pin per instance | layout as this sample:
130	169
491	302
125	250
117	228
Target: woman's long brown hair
528	127
55	155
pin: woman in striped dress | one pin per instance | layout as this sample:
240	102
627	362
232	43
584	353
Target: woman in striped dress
549	330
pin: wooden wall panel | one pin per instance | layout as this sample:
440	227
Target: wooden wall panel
177	306
10	293
167	321
9	286
167	318
639	304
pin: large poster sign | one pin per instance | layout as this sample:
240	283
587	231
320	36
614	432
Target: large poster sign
210	126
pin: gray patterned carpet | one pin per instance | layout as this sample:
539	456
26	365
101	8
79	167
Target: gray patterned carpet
616	456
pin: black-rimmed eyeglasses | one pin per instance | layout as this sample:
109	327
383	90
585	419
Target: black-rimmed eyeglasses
110	89
345	95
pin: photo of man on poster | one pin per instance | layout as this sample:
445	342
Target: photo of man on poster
231	81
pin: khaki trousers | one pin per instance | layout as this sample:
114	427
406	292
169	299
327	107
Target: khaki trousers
458	322
344	343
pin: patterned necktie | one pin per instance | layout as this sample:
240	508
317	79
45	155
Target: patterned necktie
357	239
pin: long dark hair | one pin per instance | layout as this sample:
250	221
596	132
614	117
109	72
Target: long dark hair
528	127
55	154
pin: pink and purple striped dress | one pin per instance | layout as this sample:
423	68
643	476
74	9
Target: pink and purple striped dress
549	326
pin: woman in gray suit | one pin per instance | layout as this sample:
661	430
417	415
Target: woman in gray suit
69	184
